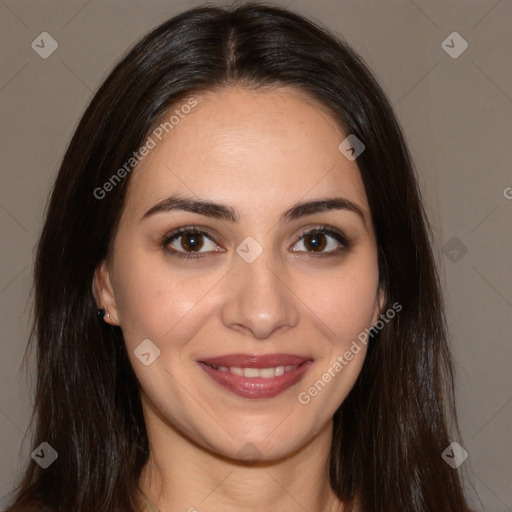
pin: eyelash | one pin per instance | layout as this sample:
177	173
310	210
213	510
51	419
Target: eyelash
318	230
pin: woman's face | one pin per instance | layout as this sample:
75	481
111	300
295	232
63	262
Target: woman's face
246	315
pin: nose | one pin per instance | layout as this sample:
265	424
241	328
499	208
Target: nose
258	300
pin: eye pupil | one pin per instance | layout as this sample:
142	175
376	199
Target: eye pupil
316	241
191	241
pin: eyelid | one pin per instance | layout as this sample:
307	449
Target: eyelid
326	230
173	233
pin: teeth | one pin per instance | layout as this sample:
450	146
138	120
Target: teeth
251	372
265	373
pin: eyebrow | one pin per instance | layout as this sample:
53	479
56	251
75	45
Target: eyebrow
227	213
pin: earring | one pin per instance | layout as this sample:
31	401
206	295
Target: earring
102	314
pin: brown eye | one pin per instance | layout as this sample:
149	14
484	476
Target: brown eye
315	242
324	241
191	241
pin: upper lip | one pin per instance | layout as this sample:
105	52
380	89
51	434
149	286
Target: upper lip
255	361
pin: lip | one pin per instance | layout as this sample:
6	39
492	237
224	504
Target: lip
255	361
256	387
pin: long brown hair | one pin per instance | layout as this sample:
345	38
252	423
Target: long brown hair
390	431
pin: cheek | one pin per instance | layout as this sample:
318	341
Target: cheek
154	300
346	300
346	305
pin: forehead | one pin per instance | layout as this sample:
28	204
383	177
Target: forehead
252	147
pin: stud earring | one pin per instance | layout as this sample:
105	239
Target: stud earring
102	314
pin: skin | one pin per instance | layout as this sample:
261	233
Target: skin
260	152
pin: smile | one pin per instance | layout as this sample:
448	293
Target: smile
264	373
251	376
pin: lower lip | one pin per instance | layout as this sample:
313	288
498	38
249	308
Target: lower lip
257	387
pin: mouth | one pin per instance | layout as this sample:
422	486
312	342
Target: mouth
252	376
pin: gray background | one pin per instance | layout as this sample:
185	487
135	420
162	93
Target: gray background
456	116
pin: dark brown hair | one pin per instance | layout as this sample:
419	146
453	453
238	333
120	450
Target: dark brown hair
390	431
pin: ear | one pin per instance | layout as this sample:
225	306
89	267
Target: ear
104	293
380	304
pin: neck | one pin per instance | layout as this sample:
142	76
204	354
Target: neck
181	475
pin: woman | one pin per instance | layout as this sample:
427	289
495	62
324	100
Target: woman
239	207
